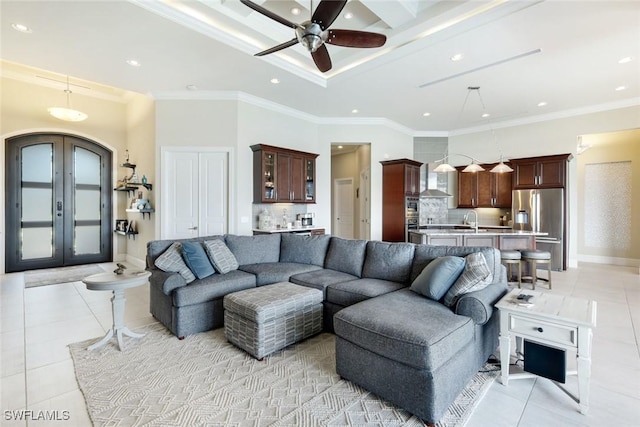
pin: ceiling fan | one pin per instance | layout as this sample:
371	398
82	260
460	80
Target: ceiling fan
315	33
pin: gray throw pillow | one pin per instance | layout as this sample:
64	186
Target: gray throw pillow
437	277
221	257
197	260
171	260
476	276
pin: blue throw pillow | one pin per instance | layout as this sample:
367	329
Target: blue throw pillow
438	276
197	260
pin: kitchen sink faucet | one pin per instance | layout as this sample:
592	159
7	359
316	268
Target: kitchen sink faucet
466	219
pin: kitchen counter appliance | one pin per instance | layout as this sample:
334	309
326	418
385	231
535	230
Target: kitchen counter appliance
306	219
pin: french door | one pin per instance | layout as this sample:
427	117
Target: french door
58	202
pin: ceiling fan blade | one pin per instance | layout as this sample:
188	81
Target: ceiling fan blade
278	47
322	59
352	38
269	14
327	12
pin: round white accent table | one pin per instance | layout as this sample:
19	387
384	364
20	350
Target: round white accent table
116	283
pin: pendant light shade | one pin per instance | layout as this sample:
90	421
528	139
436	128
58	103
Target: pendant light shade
444	167
67	113
501	167
473	167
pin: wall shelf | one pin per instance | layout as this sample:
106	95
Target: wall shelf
142	211
126	233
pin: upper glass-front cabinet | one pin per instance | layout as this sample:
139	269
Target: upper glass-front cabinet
269	174
310	187
283	175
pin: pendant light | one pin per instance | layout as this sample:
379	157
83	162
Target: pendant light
67	113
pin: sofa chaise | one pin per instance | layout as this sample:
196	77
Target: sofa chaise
410	349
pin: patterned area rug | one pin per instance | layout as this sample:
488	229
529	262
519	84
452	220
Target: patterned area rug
205	381
53	276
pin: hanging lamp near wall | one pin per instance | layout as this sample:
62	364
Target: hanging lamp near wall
473	166
67	113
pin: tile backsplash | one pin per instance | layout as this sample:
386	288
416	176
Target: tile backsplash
277	210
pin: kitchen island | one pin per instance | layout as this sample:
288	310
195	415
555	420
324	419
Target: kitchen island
500	238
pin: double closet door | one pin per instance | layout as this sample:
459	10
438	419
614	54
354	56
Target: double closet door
195	196
58	202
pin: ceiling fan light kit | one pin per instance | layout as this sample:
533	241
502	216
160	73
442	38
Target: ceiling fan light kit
315	34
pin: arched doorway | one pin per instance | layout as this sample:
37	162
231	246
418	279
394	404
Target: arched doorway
58	202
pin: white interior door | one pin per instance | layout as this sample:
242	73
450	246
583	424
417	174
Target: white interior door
365	205
195	197
343	208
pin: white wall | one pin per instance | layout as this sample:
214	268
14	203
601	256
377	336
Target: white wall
557	136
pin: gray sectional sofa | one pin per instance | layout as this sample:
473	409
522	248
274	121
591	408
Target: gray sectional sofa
409	349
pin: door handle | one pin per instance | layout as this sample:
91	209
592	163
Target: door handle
59	208
192	228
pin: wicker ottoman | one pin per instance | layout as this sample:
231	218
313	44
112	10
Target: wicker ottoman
269	318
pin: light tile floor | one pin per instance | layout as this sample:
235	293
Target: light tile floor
37	372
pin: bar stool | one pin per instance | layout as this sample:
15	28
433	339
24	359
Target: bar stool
509	258
535	257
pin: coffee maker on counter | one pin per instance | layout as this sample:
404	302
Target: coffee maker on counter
306	219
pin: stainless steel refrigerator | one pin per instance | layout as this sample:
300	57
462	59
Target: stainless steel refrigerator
546	209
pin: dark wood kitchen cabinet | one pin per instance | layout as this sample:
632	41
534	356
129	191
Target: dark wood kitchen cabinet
400	182
484	189
281	175
540	172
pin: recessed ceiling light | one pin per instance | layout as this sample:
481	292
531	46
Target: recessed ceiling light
22	28
275	81
133	62
621	88
340	147
542	104
426	114
192	87
354	111
348	15
485	115
625	60
457	57
295	11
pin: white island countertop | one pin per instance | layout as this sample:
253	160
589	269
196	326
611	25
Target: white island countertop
288	230
484	232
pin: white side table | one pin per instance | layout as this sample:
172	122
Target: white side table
554	320
116	283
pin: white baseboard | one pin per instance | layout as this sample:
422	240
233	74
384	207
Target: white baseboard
137	262
597	259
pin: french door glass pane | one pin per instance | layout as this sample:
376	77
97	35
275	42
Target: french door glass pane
37	163
87	205
87	201
87	240
37	200
37	242
87	167
36	204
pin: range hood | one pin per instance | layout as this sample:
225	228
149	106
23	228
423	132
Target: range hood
432	184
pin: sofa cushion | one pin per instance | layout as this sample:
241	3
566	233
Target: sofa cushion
304	249
272	272
221	257
476	276
388	261
320	279
480	305
213	287
197	260
155	248
346	255
171	260
424	254
254	249
437	277
354	291
407	328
